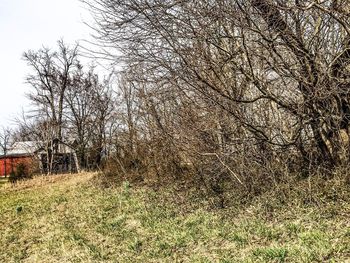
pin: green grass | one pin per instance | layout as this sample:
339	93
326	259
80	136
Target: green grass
75	220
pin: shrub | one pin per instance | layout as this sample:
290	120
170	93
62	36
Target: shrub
13	178
21	173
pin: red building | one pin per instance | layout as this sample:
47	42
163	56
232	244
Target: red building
18	153
9	164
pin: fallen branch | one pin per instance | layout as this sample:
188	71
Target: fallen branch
225	165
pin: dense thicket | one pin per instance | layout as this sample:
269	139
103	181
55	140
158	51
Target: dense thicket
227	89
231	87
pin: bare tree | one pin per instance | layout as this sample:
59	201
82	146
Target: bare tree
50	81
5	140
103	107
276	68
80	108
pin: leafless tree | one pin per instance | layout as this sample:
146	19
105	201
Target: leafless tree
278	69
80	102
5	140
50	80
103	109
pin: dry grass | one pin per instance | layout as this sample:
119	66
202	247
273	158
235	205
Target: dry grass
49	181
70	218
3	181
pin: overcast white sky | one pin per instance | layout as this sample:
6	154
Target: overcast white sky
30	24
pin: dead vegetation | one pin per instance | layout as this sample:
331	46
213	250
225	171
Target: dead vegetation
232	96
237	92
42	181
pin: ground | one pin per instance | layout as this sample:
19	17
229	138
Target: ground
71	218
3	180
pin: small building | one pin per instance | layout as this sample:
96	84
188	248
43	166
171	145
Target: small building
59	157
19	153
35	156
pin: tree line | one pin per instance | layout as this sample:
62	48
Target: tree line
222	90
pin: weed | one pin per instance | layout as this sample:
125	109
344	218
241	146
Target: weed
293	228
19	209
136	245
274	254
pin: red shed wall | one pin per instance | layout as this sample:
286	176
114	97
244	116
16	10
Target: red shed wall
11	164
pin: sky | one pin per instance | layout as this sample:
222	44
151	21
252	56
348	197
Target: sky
32	24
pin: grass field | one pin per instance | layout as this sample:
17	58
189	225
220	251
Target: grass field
3	181
73	219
